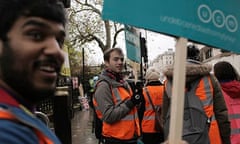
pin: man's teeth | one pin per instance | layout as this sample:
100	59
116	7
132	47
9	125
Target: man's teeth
47	68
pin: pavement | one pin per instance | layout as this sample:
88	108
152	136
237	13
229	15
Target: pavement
82	128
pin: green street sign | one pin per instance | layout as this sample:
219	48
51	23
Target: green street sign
132	38
211	22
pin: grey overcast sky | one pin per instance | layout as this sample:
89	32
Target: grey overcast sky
156	44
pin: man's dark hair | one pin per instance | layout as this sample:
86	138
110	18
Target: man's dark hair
11	10
193	52
107	53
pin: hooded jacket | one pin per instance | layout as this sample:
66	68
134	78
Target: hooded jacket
232	88
194	71
231	91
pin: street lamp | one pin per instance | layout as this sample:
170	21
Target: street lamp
83	67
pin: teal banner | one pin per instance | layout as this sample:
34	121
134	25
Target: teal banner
211	22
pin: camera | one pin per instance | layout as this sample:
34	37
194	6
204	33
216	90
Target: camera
137	96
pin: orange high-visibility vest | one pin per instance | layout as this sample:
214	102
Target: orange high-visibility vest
156	94
128	126
233	106
4	114
204	91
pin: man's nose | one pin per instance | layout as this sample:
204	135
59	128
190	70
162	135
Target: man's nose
54	49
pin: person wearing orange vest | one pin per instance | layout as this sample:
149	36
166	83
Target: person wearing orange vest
154	89
229	81
115	102
32	33
208	89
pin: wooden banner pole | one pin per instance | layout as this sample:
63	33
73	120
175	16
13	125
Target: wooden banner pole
177	100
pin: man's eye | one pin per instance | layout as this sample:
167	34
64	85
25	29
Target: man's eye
117	59
36	36
60	41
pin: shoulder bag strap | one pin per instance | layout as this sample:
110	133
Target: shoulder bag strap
149	98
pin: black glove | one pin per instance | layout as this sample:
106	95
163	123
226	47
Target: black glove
137	96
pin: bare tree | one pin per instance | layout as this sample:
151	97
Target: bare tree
87	26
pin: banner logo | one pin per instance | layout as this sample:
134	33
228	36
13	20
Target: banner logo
217	17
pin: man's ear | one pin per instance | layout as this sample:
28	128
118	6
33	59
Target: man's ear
106	63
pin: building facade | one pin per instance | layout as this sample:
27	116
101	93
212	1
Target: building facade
207	55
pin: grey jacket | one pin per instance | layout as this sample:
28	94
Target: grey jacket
103	95
195	70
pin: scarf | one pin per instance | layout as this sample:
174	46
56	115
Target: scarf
113	75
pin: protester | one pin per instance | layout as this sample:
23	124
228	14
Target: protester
32	33
115	103
209	91
91	86
92	83
229	81
154	90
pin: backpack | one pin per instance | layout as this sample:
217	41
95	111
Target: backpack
195	121
97	129
7	115
97	122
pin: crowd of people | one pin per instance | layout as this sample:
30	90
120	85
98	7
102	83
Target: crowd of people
32	34
129	114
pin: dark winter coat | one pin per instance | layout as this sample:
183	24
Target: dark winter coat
195	70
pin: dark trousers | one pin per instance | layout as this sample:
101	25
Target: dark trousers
152	138
115	141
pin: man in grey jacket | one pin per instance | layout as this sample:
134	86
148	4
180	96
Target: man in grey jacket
115	102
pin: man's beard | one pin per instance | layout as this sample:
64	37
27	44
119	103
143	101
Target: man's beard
18	80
